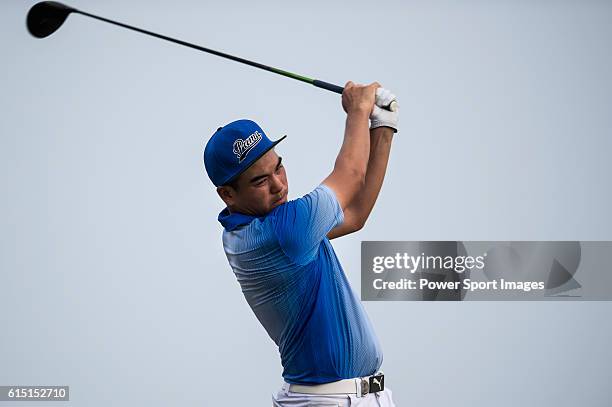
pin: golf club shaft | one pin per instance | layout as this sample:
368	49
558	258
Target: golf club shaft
315	82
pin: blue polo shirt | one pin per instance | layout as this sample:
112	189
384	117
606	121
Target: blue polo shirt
295	285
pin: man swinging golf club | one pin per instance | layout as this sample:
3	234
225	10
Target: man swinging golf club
281	254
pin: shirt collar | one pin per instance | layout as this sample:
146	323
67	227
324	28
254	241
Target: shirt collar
231	221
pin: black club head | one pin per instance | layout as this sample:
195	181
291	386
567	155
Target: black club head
46	17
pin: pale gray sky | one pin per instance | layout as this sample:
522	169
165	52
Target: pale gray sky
112	275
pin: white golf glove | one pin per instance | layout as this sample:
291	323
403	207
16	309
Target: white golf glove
380	115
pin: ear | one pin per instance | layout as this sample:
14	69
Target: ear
228	195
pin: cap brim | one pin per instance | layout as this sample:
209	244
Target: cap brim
274	143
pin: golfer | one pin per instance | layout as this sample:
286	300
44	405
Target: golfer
281	254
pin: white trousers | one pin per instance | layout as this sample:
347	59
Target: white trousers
286	398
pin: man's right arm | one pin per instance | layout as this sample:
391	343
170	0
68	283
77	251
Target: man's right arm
323	210
348	176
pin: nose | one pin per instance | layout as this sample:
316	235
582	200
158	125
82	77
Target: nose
276	185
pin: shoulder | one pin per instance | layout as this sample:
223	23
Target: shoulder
302	224
319	199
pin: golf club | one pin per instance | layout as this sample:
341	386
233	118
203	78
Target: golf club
46	17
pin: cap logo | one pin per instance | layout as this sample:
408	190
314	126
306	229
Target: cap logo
242	147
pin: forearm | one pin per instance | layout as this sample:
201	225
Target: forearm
380	147
354	153
348	176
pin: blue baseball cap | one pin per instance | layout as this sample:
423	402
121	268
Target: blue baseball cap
233	149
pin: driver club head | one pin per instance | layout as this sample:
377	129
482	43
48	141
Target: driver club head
46	17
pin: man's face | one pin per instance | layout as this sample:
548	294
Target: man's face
261	188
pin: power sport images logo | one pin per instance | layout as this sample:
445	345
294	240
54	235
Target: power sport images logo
242	147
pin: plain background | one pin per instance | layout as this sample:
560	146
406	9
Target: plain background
112	275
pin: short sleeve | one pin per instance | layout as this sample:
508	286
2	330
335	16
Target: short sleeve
302	224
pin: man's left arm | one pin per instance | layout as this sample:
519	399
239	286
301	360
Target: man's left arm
358	211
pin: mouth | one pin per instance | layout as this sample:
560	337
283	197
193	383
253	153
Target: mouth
280	200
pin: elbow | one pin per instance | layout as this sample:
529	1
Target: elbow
358	225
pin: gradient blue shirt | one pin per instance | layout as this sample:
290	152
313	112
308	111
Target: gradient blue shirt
293	281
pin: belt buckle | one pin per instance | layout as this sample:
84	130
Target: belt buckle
375	383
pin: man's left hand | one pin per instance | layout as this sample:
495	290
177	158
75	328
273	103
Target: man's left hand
381	116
